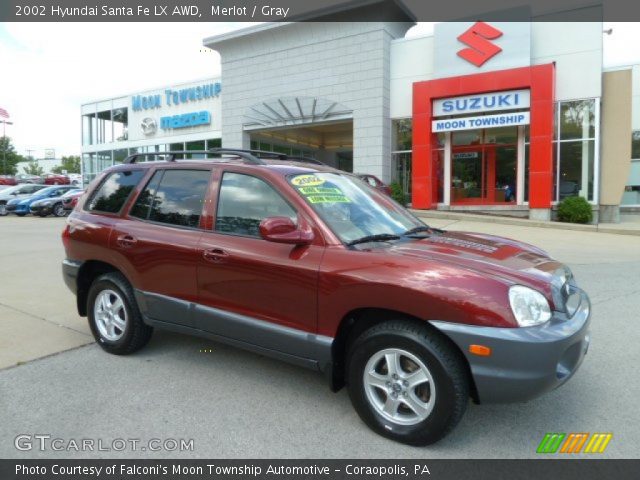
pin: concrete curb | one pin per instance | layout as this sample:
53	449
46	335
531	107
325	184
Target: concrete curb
524	222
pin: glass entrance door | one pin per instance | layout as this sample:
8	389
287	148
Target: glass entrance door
484	166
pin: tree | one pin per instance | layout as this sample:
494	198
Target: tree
71	164
33	168
9	159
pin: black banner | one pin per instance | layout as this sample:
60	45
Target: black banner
316	10
319	469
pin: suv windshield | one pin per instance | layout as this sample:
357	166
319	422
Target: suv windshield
352	209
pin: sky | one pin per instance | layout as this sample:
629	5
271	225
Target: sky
47	70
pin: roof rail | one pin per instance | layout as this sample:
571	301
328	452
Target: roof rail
171	155
253	157
284	156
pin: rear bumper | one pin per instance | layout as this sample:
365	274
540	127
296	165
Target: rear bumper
524	362
70	270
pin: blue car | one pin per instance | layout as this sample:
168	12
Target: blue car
21	206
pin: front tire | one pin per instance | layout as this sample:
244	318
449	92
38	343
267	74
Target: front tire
406	382
114	317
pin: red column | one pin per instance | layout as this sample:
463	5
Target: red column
541	136
540	79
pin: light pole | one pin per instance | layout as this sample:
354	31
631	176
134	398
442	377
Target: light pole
4	148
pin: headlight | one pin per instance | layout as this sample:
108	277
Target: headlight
529	306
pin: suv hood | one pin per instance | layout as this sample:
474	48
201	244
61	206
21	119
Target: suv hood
514	261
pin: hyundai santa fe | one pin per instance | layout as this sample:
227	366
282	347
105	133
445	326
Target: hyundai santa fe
311	265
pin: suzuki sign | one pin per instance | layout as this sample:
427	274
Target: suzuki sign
463	48
484	102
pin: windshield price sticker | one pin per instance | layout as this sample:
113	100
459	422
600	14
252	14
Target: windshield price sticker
320	191
306	181
328	199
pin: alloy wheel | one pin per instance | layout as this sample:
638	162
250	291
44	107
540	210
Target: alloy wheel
399	386
110	315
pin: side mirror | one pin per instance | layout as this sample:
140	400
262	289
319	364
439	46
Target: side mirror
283	230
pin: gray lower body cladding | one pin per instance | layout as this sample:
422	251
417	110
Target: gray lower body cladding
265	338
524	362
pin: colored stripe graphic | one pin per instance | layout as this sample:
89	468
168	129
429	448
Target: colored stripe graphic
598	443
573	442
550	443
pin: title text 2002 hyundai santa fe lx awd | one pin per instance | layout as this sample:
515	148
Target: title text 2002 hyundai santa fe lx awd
302	262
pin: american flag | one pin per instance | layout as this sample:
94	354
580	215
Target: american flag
4	113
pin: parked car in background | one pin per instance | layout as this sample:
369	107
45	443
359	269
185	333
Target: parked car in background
15	193
76	178
27	178
375	182
56	179
70	199
7	180
51	205
22	207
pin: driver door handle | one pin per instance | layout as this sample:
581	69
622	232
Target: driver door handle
215	255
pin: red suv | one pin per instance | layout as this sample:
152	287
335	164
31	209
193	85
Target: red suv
307	264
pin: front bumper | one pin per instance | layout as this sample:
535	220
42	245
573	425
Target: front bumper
40	209
524	362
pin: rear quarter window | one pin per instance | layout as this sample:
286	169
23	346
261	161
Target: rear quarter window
114	191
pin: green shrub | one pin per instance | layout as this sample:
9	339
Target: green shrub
397	193
575	210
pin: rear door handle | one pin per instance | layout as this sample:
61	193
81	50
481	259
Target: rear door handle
216	255
126	241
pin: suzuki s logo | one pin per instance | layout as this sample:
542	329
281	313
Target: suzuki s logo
477	38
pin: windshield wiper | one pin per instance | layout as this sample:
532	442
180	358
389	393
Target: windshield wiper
382	237
421	228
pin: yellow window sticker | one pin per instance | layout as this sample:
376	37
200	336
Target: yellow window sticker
328	199
306	181
320	191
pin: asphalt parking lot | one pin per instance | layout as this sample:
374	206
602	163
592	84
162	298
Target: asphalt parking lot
54	380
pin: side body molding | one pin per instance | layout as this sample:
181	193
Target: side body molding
288	344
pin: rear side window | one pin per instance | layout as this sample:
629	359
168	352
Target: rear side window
111	196
245	201
174	197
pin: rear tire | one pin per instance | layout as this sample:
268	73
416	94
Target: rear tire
58	210
114	317
407	382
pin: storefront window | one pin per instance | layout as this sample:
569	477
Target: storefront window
217	143
466	137
501	135
401	171
88	167
88	129
402	134
119	155
103	160
577	119
120	124
196	146
574	171
104	127
635	145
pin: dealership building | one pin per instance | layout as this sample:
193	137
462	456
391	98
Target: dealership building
496	117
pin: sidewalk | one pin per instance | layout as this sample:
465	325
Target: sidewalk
629	224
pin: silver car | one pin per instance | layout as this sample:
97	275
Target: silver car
19	191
